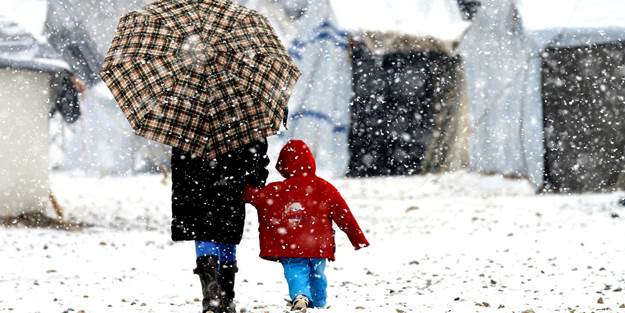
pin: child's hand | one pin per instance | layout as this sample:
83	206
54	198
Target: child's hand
249	193
361	245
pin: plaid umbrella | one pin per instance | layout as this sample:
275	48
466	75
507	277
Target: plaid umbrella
206	76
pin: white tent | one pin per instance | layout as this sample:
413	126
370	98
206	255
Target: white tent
29	13
24	162
319	106
27	95
388	29
502	55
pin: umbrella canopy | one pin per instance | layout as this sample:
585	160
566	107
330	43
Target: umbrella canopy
206	76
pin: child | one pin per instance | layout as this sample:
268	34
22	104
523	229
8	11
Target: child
295	222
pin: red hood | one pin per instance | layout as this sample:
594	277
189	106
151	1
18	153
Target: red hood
296	160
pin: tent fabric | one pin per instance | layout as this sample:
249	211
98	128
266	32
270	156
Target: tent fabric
96	19
565	23
440	19
506	130
68	35
29	14
20	50
319	105
278	14
584	91
33	64
571	14
503	52
469	8
447	148
58	31
16	40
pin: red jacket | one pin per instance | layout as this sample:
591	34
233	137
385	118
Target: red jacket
295	215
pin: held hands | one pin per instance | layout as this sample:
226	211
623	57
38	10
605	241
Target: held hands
250	192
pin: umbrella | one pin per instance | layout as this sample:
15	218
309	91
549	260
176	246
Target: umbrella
206	76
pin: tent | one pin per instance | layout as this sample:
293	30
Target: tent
21	49
545	91
66	32
85	28
469	8
406	76
319	106
34	82
440	19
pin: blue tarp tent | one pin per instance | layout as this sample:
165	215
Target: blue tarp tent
319	106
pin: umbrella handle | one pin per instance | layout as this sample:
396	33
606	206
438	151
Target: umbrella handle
285	119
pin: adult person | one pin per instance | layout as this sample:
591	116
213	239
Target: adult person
208	207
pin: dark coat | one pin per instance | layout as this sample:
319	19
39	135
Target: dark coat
207	195
295	215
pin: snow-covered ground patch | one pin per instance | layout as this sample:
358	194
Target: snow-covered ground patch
440	243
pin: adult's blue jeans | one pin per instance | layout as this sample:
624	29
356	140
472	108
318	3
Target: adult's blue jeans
306	277
225	253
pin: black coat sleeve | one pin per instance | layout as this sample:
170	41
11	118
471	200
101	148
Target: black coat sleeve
254	161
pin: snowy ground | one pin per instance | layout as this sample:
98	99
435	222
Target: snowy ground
451	243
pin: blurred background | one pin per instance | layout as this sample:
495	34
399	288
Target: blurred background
521	88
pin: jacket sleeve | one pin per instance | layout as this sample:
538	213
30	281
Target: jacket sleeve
345	220
252	195
253	164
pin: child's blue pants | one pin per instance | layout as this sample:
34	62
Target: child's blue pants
306	277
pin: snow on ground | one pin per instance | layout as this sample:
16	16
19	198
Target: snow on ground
440	243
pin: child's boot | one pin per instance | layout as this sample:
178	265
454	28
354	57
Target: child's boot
227	273
300	303
207	270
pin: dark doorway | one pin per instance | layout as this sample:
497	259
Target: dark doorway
584	116
396	97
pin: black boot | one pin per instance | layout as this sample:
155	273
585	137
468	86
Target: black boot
207	269
227	272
